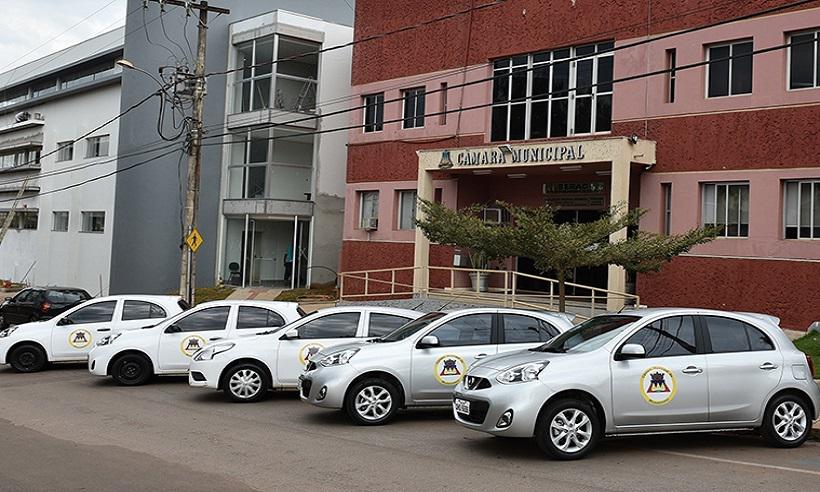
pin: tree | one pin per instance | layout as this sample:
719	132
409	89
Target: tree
559	247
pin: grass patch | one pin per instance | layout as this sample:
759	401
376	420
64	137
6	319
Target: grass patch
297	295
810	344
206	294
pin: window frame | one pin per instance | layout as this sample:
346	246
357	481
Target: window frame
502	328
703	319
493	337
54	220
727	184
814	209
95	143
672	74
697	330
419	97
400	210
373	314
731	60
270	313
361	196
377	106
200	311
666	208
151	308
815	58
329	315
90	214
92	305
66	147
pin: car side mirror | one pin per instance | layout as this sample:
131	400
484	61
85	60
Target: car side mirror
428	341
9	299
631	351
64	321
173	329
291	335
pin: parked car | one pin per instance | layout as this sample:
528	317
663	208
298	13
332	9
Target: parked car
420	363
39	303
131	358
71	335
645	371
245	369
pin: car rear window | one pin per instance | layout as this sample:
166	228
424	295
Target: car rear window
66	296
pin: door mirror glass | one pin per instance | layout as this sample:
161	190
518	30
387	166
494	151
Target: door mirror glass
292	334
429	341
173	329
632	351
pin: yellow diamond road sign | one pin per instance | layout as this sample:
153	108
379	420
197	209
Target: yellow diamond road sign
194	240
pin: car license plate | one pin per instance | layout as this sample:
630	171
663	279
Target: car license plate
461	406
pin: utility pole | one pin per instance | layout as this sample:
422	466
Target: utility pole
187	271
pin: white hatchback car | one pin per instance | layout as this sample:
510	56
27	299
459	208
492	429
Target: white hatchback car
131	358
246	368
69	336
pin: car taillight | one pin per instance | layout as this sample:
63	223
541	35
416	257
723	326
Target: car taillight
810	362
44	307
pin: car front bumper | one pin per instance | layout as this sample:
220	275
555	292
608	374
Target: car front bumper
487	405
4	349
98	360
334	379
205	373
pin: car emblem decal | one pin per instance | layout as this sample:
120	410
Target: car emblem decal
191	344
79	339
308	351
658	385
449	369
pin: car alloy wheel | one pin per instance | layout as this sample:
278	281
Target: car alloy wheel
373	403
245	384
571	430
789	421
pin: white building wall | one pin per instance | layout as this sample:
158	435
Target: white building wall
72	258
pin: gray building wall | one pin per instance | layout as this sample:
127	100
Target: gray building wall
147	228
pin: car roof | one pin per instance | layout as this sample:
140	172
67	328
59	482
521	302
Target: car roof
138	297
660	311
249	302
377	309
55	287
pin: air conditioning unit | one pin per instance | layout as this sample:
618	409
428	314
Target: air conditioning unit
22	116
371	224
491	215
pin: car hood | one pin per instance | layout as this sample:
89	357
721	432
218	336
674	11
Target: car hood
29	327
510	359
342	347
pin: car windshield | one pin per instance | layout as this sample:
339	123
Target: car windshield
589	335
410	328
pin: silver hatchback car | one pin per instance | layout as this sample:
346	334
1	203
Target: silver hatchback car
645	371
420	363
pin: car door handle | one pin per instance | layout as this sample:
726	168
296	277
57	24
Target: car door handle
768	366
104	329
215	339
480	356
692	370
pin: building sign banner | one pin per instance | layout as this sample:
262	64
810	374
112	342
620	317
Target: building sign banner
506	154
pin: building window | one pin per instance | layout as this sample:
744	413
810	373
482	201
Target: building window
672	74
442	118
730	69
666	220
407	209
727	205
369	209
296	73
93	222
96	146
414	107
804	63
802	209
540	96
66	151
20	158
59	221
373	112
249	162
22	220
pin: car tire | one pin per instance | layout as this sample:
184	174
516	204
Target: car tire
245	383
372	401
132	370
28	358
568	429
787	421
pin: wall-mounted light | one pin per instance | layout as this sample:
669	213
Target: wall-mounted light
517	176
481	172
571	168
604	173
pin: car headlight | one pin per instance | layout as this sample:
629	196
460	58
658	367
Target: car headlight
7	331
338	358
208	353
522	373
108	340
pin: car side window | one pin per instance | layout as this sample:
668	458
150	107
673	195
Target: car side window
667	337
381	324
133	310
339	325
27	295
251	317
209	319
732	335
99	312
522	329
472	329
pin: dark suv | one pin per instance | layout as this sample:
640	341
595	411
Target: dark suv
39	303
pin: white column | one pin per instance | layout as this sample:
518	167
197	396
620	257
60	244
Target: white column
618	196
421	257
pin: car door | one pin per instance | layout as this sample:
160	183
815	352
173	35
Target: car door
74	334
436	370
182	338
743	367
520	331
136	314
21	306
381	324
669	386
315	334
253	320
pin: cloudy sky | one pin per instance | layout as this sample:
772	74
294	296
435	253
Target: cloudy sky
45	26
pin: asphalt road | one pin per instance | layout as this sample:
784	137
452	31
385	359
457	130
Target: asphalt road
64	430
